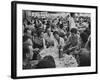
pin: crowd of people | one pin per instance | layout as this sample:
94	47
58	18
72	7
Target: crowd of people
56	42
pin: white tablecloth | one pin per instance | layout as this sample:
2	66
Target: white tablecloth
65	61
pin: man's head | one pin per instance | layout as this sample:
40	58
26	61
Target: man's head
73	31
84	37
72	15
56	34
48	29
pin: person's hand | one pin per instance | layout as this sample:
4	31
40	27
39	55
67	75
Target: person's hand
76	52
36	49
69	49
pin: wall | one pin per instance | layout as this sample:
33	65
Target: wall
5	40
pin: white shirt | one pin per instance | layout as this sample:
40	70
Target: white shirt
51	37
48	38
61	43
72	23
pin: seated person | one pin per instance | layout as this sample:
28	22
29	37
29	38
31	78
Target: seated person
72	42
58	41
38	40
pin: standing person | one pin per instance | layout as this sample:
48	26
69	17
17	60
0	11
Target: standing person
44	24
61	30
71	21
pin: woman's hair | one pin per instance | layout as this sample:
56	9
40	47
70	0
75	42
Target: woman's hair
74	30
55	32
46	62
48	58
